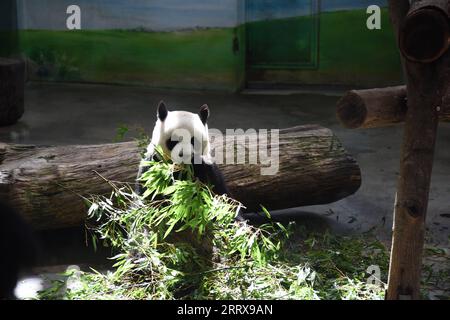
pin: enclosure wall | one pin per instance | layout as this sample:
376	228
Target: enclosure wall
197	44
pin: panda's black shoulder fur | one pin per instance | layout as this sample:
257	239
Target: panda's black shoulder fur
211	174
143	169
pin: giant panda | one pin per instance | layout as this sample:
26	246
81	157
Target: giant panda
191	147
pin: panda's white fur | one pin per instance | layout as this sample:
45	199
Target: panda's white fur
170	128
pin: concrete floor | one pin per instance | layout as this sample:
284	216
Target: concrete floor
88	114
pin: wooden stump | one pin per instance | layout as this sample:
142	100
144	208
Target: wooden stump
12	86
45	183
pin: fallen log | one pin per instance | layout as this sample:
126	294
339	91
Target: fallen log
373	108
46	183
12	86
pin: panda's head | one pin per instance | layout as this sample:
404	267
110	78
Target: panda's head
182	136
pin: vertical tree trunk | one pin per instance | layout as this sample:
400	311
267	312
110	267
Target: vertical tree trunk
427	84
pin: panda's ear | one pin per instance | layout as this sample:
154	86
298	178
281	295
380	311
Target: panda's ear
204	113
162	111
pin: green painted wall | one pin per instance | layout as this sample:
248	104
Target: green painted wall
182	55
348	54
198	59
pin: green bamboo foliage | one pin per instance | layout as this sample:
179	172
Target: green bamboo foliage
181	241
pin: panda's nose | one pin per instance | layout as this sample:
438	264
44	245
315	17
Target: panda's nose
181	154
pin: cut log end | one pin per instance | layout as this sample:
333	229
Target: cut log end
425	34
351	110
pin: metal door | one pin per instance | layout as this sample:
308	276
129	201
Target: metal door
282	34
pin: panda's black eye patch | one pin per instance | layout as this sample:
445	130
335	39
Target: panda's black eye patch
171	144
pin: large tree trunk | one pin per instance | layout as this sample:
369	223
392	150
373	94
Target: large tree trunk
46	183
12	86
